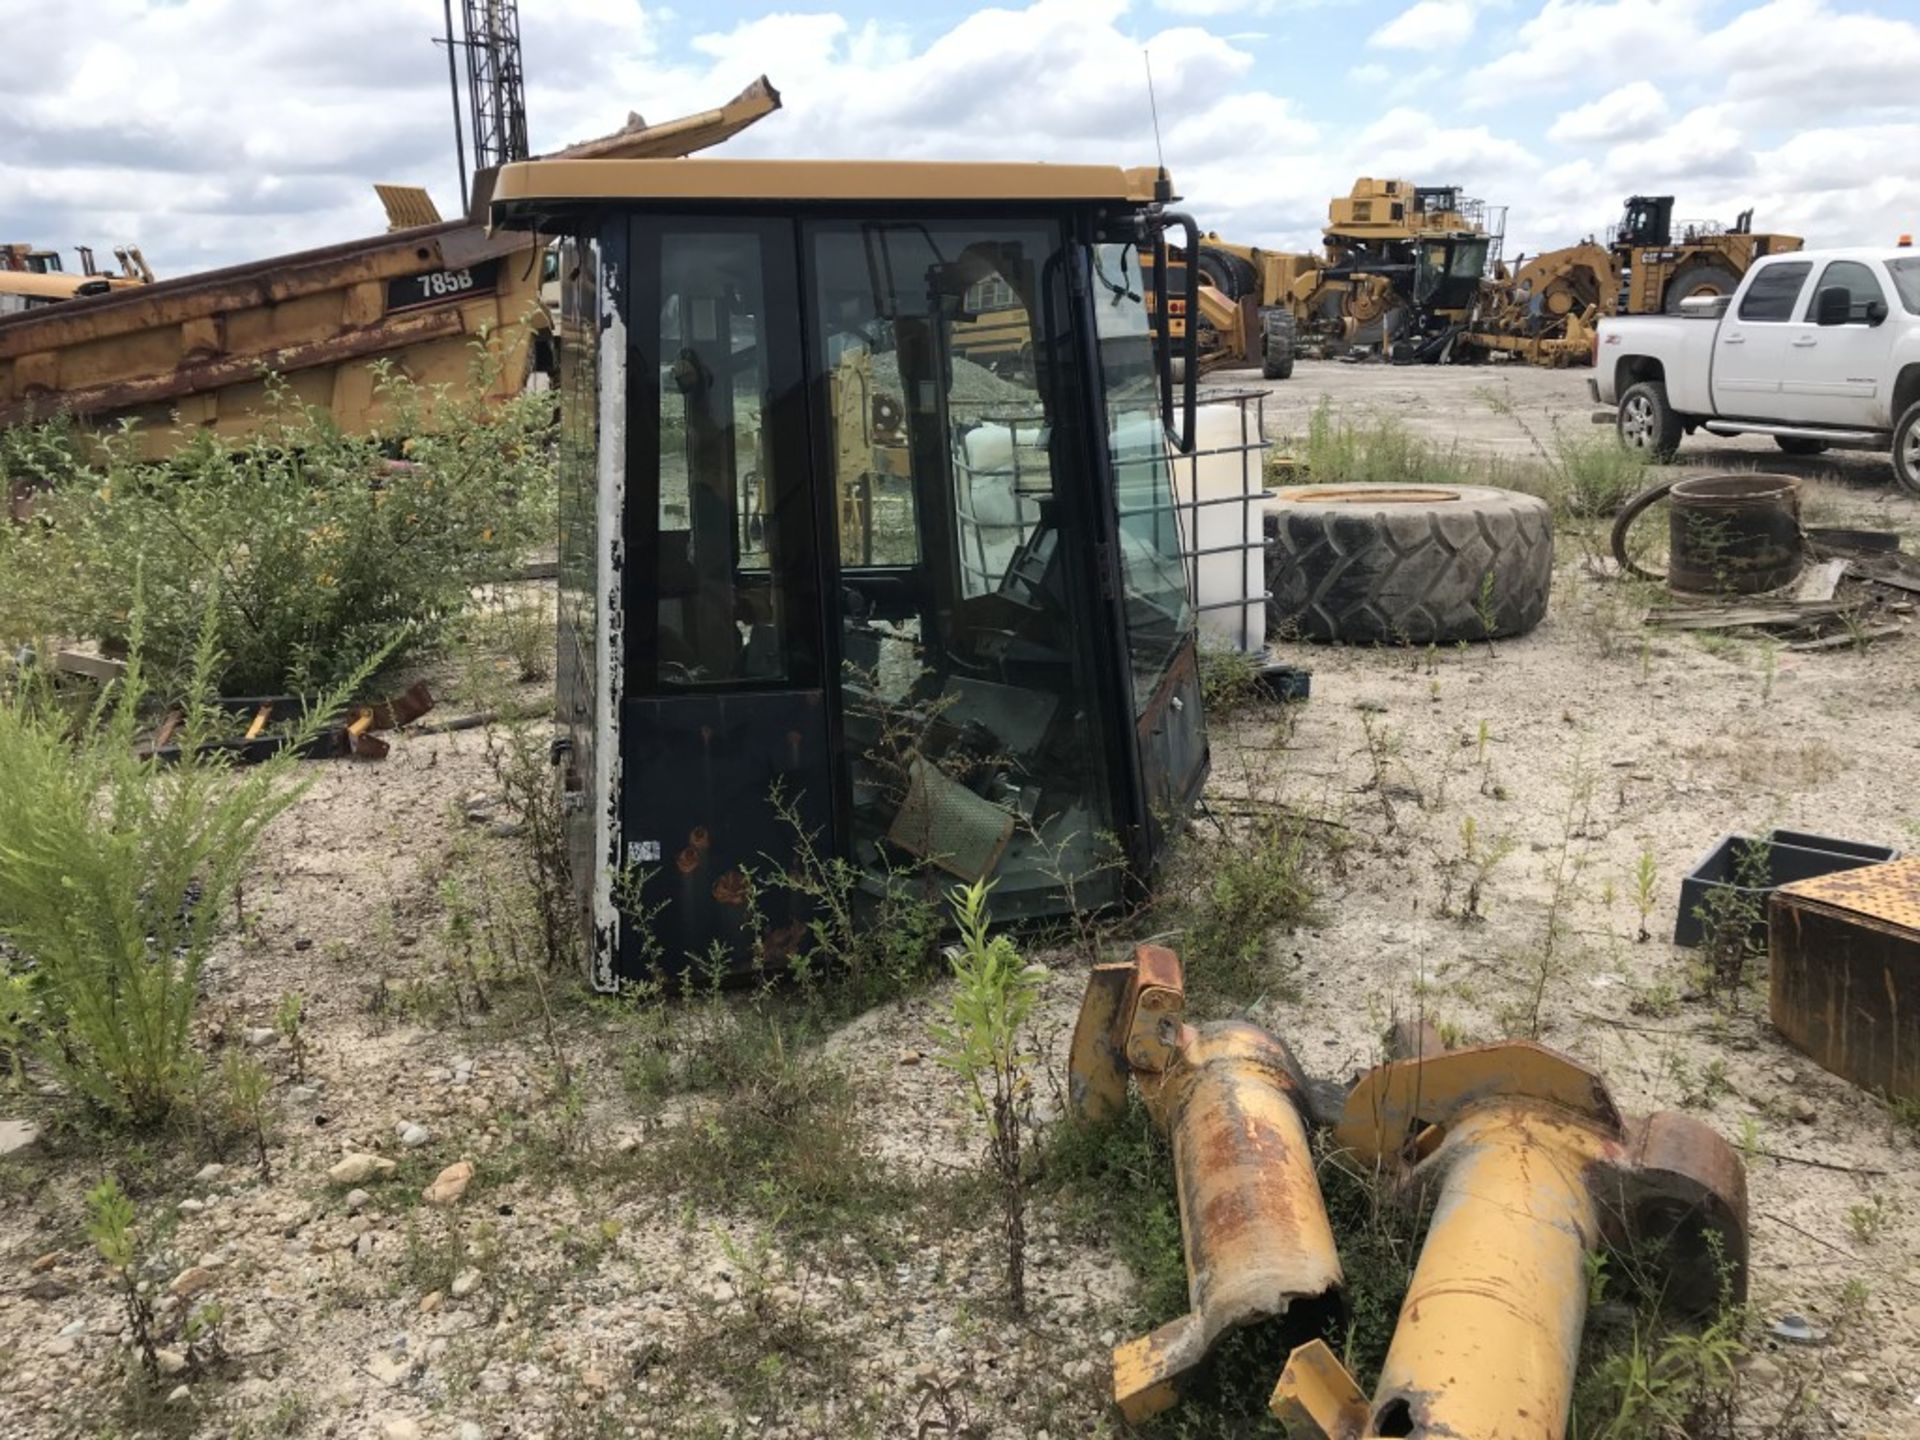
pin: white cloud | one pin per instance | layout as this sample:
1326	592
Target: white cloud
218	130
1588	41
1426	25
1808	57
1703	143
1629	113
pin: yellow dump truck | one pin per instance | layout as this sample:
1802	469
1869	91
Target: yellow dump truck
194	353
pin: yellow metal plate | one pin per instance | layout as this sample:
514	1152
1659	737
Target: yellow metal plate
1889	893
532	182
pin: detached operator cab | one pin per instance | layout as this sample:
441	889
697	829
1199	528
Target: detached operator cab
868	547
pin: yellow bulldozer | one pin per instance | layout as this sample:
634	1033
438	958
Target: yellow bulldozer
1545	310
1401	269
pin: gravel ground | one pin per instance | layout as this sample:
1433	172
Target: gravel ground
575	1295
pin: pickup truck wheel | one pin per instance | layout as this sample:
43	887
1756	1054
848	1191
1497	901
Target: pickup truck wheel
1406	564
1647	422
1800	445
1906	450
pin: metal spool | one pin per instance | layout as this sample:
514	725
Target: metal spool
1728	534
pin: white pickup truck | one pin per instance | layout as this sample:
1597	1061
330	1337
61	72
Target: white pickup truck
1816	348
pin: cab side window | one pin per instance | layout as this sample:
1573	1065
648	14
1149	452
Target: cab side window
1773	290
1859	283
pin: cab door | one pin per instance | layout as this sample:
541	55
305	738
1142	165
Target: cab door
1836	373
725	735
1752	350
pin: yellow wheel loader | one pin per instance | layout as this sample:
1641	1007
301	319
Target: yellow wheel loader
1545	311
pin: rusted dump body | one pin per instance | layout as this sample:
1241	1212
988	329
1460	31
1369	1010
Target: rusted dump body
1845	961
199	348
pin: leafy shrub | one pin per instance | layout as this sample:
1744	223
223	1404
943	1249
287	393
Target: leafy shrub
114	871
319	546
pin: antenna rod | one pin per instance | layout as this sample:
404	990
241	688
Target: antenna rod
1153	108
459	139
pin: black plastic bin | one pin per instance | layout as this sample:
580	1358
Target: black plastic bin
1790	855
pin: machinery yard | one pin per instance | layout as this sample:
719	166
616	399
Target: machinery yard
775	795
594	1279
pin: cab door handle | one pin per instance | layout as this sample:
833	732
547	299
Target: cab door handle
1805	342
1733	340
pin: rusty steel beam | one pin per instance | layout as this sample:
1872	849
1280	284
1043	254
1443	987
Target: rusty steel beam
1230	1100
1531	1169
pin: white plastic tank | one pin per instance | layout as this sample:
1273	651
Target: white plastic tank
1217	491
1001	476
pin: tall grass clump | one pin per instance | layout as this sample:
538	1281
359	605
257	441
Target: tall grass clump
114	872
325	546
1377	450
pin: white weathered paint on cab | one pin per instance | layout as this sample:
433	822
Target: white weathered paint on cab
610	506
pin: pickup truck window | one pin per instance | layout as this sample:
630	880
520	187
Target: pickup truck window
1773	289
1857	280
1906	279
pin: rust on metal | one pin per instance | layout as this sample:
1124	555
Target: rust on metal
1317	1397
1258	1243
1845	973
190	353
1531	1169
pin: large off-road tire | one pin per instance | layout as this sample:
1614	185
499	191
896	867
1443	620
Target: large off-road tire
1227	272
1276	343
1800	445
1906	450
1406	565
1647	423
1710	279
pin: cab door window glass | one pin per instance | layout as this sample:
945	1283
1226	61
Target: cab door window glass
1773	289
968	699
733	524
1152	563
1862	288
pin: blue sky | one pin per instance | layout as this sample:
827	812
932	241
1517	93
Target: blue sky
219	130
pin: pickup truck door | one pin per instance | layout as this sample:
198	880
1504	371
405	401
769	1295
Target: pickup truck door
1835	373
1751	349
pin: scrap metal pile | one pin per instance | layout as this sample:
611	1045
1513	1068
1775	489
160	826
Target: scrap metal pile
1739	560
1415	273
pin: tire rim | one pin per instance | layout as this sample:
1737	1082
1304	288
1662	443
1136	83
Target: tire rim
1636	422
1910	452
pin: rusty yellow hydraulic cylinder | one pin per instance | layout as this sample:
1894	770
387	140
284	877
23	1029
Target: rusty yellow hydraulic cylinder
1490	1329
1531	1169
1258	1243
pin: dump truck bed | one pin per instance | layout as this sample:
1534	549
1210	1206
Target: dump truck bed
198	350
199	346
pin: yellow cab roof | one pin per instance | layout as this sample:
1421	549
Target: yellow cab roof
531	187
